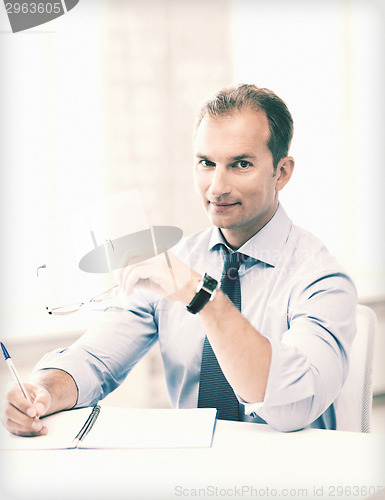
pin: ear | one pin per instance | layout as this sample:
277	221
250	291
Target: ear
285	169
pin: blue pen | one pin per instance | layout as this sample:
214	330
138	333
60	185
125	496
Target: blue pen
11	366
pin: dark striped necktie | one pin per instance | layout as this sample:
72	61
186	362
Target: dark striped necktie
214	390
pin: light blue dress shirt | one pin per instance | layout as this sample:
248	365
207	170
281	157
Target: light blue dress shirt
293	292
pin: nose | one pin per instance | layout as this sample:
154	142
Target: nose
220	185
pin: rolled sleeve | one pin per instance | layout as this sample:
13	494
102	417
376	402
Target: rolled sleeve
78	365
100	360
309	364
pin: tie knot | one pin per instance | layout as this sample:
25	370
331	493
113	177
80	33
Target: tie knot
232	263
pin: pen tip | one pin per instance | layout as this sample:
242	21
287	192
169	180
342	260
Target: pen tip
5	352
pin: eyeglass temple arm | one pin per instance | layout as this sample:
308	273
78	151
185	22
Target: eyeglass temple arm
43	266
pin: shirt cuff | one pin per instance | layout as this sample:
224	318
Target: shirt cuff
250	409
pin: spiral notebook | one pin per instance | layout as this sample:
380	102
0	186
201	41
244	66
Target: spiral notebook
104	427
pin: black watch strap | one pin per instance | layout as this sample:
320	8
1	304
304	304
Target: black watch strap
206	290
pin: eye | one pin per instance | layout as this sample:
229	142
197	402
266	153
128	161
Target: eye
242	164
207	163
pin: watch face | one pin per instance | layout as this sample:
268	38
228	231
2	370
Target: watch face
209	282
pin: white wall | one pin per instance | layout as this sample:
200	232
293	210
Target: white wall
96	102
325	59
51	157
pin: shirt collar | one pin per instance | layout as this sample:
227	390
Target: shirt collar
266	245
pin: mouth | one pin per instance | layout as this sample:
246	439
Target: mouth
222	206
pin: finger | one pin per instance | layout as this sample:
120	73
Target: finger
41	402
125	262
123	275
164	275
35	429
38	405
15	397
19	415
139	275
154	275
128	280
19	423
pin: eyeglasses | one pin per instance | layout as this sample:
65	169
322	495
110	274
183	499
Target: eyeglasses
72	308
76	306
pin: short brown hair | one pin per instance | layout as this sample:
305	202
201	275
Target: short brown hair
245	96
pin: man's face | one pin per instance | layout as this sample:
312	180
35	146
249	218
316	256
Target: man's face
234	173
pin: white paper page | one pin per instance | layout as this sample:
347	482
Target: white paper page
122	428
151	428
62	429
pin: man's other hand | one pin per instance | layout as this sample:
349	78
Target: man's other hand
164	274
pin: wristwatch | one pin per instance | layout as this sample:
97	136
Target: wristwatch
206	290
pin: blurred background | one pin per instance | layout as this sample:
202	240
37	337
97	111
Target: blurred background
103	100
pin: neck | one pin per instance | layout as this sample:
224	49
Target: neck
236	237
227	241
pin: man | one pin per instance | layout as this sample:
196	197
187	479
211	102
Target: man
281	340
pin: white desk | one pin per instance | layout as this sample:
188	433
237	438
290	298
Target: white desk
246	461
